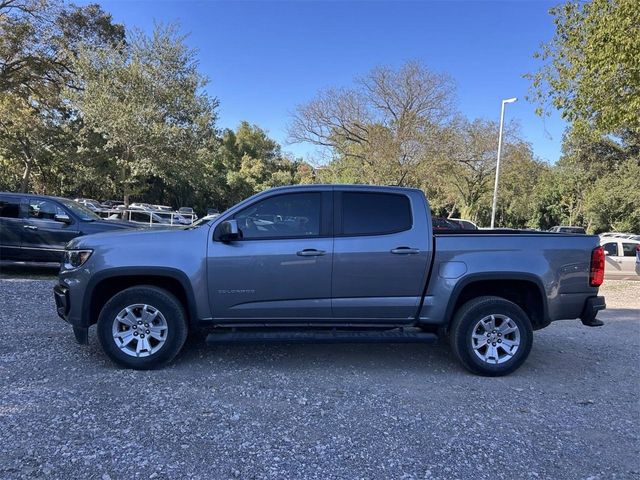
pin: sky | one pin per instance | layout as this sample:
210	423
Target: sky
264	58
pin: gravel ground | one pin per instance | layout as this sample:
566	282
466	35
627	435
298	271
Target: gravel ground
317	411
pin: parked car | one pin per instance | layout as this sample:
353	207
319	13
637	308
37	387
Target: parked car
334	264
463	224
141	206
567	229
91	204
630	236
37	227
162	208
188	213
173	218
111	203
621	256
142	217
441	224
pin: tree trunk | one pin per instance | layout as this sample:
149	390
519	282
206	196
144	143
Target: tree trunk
24	185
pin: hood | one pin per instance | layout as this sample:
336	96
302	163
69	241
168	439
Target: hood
120	234
98	226
115	224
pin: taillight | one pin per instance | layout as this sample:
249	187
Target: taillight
596	275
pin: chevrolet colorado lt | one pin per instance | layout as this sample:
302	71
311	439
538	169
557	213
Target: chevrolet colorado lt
328	263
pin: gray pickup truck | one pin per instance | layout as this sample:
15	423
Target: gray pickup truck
328	263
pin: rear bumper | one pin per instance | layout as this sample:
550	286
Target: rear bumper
591	308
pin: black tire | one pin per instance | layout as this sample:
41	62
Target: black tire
462	329
161	300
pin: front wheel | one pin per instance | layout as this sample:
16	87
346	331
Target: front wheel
142	327
491	336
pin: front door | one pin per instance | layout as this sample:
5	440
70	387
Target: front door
44	237
613	259
281	269
381	255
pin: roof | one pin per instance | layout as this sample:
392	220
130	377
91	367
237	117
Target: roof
32	195
343	186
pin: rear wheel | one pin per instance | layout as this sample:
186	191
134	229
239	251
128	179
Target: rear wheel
142	327
491	336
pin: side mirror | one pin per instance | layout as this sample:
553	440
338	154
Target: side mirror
62	217
229	231
606	254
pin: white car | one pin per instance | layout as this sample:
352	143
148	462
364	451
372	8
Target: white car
621	257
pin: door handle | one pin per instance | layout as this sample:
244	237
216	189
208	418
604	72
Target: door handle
310	252
30	227
405	251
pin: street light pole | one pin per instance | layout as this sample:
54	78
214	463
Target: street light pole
495	187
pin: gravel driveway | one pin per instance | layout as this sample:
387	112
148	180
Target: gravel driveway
317	411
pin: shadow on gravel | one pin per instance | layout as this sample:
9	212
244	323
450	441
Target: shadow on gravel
29	270
317	357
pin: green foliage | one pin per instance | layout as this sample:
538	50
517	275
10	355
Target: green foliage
39	43
614	201
252	162
145	99
590	67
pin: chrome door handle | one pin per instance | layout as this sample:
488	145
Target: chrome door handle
30	227
310	252
405	251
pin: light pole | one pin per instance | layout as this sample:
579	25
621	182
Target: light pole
495	187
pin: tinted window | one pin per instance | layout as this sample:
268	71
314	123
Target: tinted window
9	207
44	210
629	249
140	217
374	213
290	215
611	248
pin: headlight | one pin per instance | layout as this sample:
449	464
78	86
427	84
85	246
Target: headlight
75	258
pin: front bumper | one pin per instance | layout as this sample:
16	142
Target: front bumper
61	295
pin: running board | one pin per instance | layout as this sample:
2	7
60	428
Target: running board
323	336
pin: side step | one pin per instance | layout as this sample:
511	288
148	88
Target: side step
323	336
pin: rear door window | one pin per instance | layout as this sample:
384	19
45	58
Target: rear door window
611	248
366	213
629	249
10	207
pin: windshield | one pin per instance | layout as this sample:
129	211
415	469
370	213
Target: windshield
80	210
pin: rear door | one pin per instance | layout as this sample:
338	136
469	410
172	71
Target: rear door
11	225
44	237
382	251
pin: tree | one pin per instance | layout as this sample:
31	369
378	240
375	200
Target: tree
590	69
146	100
383	127
252	162
39	42
614	201
472	149
520	176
